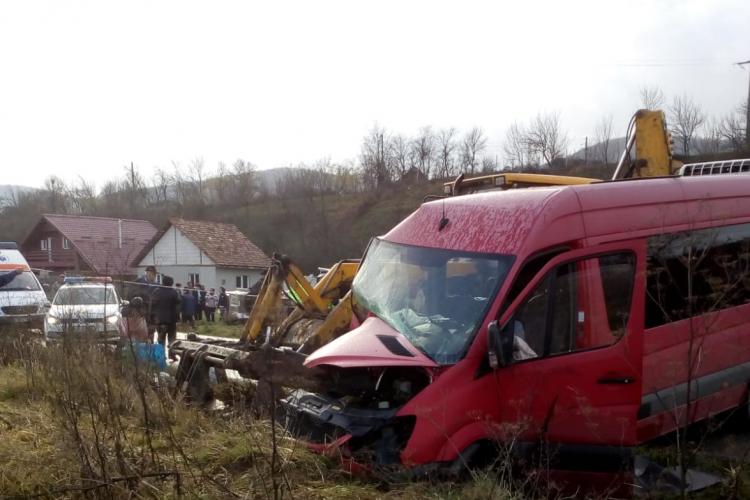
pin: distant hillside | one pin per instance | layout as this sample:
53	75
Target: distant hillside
698	147
615	149
9	190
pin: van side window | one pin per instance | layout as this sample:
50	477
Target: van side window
579	305
697	272
617	284
529	270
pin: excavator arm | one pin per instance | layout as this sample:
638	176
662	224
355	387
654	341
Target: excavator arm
322	312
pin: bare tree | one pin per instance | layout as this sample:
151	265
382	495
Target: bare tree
197	171
374	158
732	128
400	153
546	137
603	135
446	139
423	149
245	183
83	197
473	145
489	165
134	187
515	146
686	117
652	97
712	139
161	182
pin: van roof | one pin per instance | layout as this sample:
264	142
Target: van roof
525	220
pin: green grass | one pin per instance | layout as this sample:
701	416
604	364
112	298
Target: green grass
215	329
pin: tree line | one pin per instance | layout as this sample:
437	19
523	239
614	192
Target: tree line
388	160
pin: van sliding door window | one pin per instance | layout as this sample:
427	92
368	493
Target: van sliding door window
697	272
579	305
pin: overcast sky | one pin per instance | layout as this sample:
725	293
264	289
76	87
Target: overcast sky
86	87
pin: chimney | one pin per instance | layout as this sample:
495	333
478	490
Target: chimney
119	233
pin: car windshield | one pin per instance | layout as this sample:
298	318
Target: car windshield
24	281
85	296
436	298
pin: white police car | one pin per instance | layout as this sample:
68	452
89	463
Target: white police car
85	305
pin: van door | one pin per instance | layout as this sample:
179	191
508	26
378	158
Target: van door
578	335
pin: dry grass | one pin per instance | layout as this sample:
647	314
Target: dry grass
78	417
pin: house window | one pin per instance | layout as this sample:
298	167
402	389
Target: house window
238	283
66	244
45	244
244	281
194	278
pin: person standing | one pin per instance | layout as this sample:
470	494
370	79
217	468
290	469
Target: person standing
145	288
166	312
196	290
223	302
188	306
212	301
178	289
202	302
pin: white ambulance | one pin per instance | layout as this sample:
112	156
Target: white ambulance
22	298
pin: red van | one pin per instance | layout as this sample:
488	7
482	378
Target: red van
575	315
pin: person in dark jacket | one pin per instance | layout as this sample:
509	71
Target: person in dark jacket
145	288
166	311
189	304
223	302
201	311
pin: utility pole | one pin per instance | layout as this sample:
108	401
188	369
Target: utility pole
747	109
586	152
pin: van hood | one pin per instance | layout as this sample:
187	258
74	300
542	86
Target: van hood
22	298
373	343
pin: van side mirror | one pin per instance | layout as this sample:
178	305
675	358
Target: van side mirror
499	345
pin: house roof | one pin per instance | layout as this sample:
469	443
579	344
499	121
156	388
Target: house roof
223	243
97	240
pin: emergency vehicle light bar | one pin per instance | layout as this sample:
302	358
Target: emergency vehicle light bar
70	280
716	168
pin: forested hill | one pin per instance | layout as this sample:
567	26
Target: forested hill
306	216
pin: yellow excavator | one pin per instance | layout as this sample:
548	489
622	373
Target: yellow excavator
273	345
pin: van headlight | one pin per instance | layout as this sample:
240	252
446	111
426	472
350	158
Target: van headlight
51	320
112	320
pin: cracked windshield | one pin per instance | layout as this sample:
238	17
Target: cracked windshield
436	298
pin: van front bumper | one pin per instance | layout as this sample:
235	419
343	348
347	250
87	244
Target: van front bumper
33	321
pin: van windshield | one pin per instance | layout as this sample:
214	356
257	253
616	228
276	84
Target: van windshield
436	298
22	282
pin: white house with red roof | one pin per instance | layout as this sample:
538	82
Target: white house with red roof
213	254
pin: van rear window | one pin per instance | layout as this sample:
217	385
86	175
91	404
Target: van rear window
697	272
